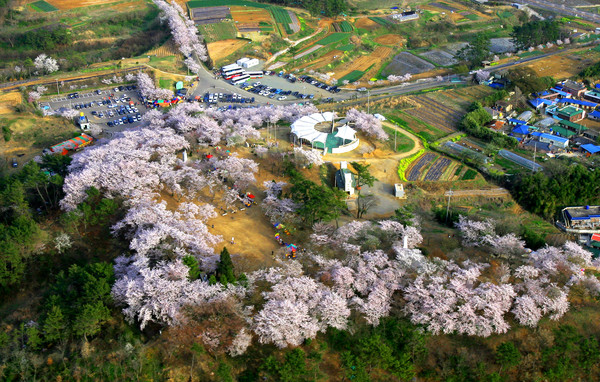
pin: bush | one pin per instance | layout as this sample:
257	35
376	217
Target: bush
6	133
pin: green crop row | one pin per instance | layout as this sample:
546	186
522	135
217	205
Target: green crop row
406	162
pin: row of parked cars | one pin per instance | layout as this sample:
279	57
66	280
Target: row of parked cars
122	110
212	98
124	120
319	84
271	92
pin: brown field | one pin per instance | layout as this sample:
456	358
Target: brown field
363	63
134	5
166	49
8	101
70	4
390	39
323	60
366	23
252	16
221	49
559	67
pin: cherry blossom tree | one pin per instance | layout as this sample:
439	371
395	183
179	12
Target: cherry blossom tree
45	64
148	90
367	123
276	208
482	75
308	157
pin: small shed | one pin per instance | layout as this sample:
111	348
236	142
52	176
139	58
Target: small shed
345	179
399	191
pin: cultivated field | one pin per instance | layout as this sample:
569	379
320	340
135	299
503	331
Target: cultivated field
405	63
8	101
220	49
390	39
324	60
559	66
70	4
419	166
364	63
218	31
245	15
366	23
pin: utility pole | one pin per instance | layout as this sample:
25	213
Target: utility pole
58	91
450	193
395	147
534	152
368	101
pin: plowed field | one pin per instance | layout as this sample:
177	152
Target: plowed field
323	60
390	39
250	16
70	4
221	49
366	23
363	63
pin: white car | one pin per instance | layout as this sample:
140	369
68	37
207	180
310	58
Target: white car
282	98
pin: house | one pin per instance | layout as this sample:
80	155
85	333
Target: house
493	112
558	92
503	106
548	95
539	146
515	122
590	149
345	179
575	127
579	103
554	140
405	16
575	88
563	132
521	131
546	123
497	125
570	113
525	116
595	115
540	103
592	95
582	221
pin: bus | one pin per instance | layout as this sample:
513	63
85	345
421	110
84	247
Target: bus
230	67
233	73
240	79
255	74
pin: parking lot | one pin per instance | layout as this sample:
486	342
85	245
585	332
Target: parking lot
114	109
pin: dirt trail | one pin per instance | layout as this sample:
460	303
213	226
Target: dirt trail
493	192
294	43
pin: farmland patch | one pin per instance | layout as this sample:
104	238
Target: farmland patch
70	4
363	64
366	23
502	45
440	57
220	49
42	6
218	31
405	63
382	21
390	39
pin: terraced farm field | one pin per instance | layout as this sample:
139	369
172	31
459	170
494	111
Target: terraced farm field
414	172
437	169
436	114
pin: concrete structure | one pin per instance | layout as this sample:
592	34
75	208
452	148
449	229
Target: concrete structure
379	117
342	141
525	116
345	179
581	221
570	113
83	122
250	62
399	191
575	88
592	95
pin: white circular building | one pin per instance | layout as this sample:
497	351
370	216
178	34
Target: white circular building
321	131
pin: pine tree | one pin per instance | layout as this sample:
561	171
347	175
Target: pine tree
225	268
54	325
191	262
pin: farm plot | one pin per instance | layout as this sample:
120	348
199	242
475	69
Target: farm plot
344	26
42	6
444	6
502	45
382	21
436	114
308	51
332	38
366	23
437	169
405	63
252	19
324	60
364	63
414	172
70	4
210	15
282	17
218	31
440	57
390	39
295	24
455	47
220	49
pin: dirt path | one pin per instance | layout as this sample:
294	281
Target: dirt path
294	43
493	192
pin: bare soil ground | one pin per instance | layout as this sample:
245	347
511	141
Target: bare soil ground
363	63
166	49
366	23
405	63
8	101
245	17
70	4
221	49
325	59
390	39
559	66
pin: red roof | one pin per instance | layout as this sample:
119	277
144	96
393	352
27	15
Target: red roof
596	237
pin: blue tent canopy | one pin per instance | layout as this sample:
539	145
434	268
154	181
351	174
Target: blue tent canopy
592	149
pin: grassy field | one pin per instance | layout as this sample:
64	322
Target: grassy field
354	75
218	3
403	143
334	37
346	26
218	31
381	21
42	6
166	83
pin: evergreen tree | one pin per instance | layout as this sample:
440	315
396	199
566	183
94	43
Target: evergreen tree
225	268
192	263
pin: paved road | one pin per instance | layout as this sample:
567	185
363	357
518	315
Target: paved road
565	9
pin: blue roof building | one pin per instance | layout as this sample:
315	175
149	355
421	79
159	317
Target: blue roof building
590	148
521	130
558	91
552	139
578	102
514	121
594	115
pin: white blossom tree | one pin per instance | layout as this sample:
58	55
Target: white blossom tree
45	64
